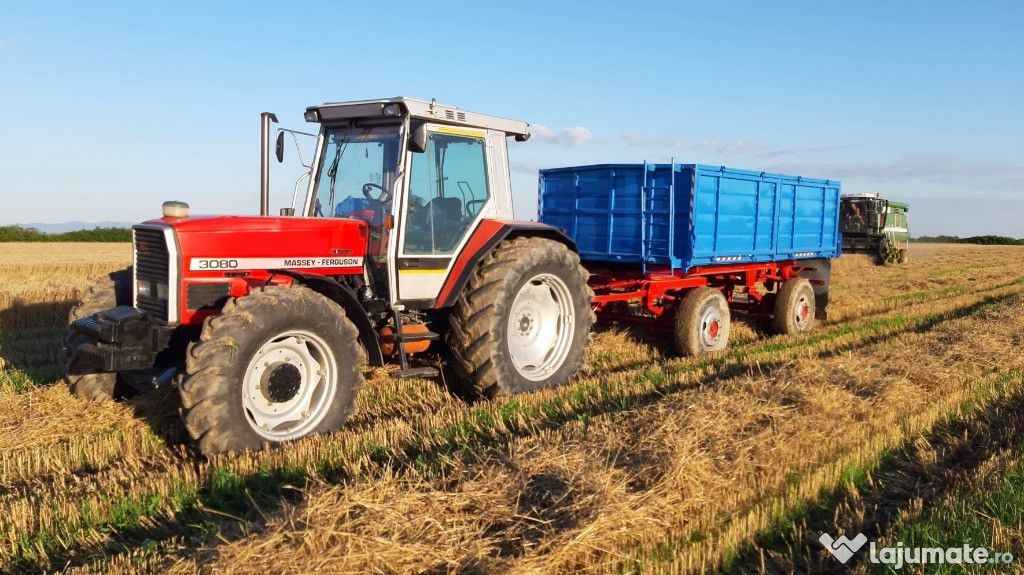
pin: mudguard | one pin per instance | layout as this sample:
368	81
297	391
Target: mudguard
344	296
484	239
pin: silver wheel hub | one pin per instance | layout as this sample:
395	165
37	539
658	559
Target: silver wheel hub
540	327
710	328
802	314
288	385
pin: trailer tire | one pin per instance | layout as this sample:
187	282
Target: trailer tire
702	322
904	256
84	381
523	321
794	307
278	353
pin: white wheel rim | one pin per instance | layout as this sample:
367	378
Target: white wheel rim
802	313
711	326
540	327
289	384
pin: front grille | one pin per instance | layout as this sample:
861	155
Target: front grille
152	263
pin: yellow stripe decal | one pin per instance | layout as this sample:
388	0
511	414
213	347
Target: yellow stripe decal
461	132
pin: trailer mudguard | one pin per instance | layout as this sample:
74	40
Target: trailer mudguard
344	296
819	272
484	239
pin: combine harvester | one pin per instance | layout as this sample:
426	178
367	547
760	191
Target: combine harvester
406	236
871	224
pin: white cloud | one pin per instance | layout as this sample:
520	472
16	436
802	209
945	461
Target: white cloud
731	147
948	171
636	141
570	137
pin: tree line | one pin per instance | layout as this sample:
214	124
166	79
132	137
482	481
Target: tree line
23	234
983	240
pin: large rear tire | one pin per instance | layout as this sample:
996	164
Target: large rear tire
702	322
84	381
523	321
275	365
794	307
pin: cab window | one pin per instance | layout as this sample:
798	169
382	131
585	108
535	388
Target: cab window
448	186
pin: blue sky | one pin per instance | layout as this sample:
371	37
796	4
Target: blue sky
109	108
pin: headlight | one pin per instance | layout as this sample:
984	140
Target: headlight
161	291
145	289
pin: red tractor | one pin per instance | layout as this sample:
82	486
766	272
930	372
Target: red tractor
406	235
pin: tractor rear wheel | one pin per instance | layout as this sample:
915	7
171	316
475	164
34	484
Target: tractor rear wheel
275	365
84	381
523	320
702	322
794	307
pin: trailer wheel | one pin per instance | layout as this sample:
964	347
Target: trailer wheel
84	381
794	307
702	322
904	256
275	365
523	320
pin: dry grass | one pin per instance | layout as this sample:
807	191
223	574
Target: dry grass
641	455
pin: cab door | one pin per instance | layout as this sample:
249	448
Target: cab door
449	192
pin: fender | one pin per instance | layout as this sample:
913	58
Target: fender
349	301
485	238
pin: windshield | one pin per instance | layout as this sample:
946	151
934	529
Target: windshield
358	172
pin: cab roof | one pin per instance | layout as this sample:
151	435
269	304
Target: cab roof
419	109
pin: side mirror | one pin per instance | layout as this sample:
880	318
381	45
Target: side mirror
418	138
279	147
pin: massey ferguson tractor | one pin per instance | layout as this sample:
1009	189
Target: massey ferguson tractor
406	235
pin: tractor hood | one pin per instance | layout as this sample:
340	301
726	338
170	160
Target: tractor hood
240	243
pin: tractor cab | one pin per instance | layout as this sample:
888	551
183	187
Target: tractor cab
420	174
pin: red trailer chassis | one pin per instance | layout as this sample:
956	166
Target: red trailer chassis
658	290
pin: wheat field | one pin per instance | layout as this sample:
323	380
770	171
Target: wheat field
645	463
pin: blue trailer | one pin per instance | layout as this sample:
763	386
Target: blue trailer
676	246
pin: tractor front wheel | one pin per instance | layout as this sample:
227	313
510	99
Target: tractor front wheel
794	307
702	322
523	321
904	256
275	365
84	381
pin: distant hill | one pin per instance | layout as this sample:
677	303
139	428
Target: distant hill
74	226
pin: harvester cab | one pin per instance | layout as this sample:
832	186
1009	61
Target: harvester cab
405	236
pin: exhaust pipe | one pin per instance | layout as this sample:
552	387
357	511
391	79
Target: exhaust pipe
265	119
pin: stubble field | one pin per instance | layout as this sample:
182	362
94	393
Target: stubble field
646	462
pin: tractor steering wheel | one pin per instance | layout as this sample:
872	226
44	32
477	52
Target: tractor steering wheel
384	196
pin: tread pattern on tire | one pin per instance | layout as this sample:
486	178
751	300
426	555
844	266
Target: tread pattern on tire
785	302
685	337
478	318
104	294
212	407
